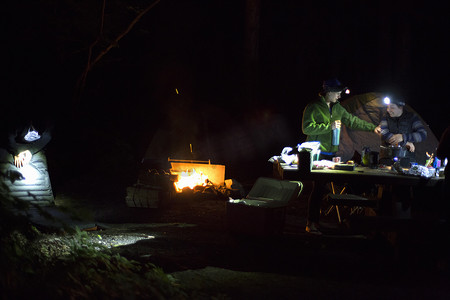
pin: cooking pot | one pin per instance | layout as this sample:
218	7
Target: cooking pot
392	151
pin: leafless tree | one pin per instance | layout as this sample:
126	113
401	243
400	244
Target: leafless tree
91	60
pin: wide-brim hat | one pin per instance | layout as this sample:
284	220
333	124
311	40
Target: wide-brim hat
332	85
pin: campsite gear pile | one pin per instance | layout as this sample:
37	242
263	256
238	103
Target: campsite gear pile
416	170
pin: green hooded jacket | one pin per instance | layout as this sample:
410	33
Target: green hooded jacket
317	120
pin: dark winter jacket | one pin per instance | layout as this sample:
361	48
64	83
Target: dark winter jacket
408	124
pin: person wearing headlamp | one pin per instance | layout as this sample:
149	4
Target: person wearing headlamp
25	140
401	127
23	163
320	118
326	114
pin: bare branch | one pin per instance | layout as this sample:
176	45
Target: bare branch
90	63
116	41
82	80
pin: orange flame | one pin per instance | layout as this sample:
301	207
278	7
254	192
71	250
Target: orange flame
190	179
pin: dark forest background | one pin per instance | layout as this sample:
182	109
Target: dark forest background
229	77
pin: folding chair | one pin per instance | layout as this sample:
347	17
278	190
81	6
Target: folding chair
355	202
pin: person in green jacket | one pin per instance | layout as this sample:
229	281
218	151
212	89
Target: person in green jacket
320	117
324	114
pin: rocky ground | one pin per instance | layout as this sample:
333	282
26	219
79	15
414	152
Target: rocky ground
189	238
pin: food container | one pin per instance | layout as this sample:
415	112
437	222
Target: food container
392	151
337	159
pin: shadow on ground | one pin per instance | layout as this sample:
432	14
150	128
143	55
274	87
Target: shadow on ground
188	237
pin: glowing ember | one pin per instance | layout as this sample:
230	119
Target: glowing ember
190	179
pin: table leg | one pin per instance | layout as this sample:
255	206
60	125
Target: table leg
319	191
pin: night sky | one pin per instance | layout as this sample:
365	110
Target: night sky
236	107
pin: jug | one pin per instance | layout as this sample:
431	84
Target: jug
365	156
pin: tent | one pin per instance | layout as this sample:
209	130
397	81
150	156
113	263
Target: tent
370	107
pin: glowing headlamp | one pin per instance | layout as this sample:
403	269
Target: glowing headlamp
398	102
32	135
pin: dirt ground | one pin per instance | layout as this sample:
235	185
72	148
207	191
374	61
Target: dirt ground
189	237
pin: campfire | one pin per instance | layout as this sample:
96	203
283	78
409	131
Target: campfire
196	178
191	179
191	174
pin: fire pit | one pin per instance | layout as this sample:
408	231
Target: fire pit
192	173
156	186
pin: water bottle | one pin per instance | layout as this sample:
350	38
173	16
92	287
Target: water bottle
365	156
336	136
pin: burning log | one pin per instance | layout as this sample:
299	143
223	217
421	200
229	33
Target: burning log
192	173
